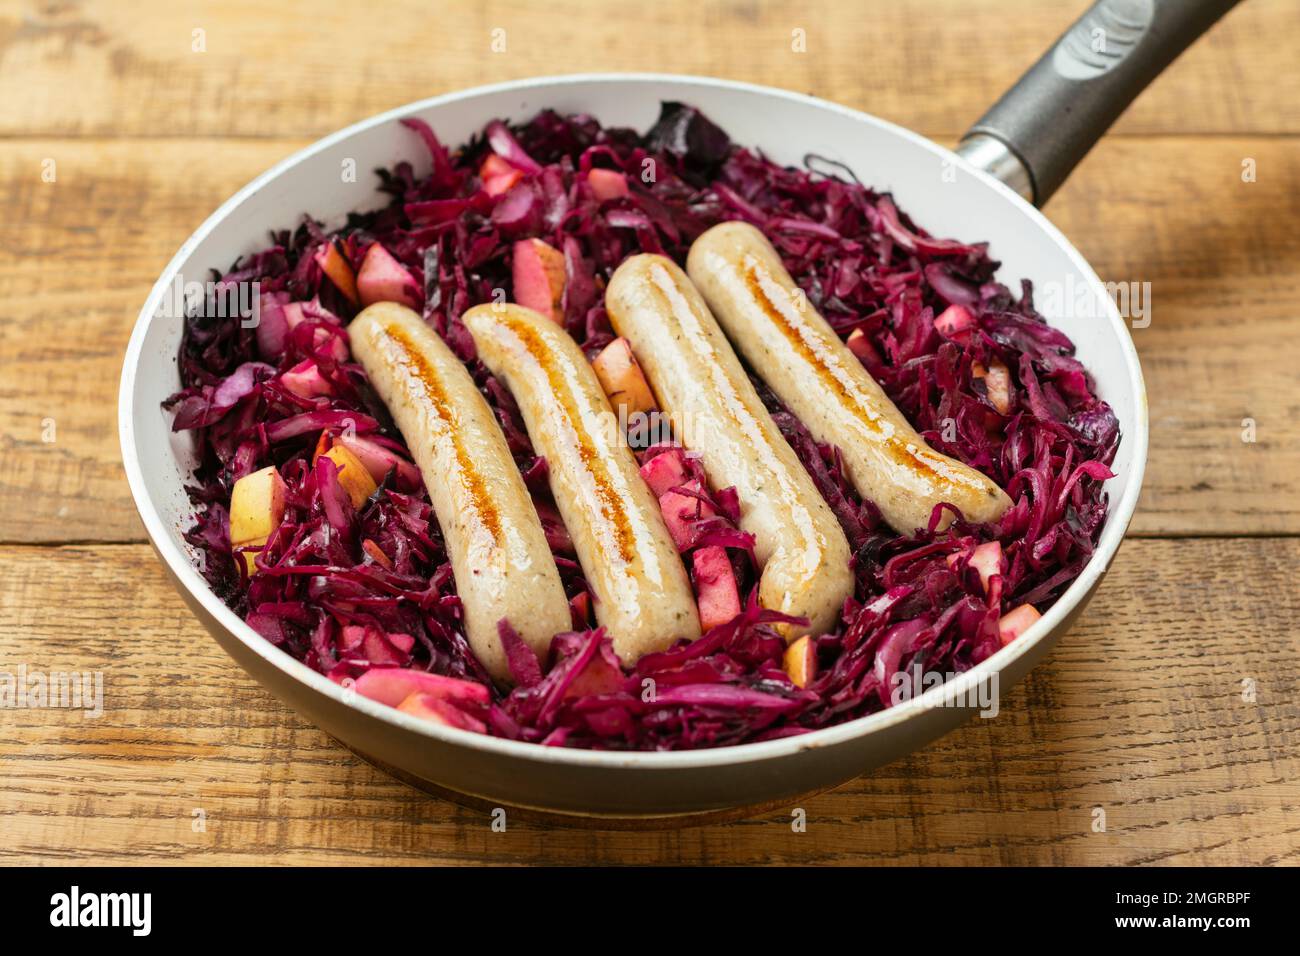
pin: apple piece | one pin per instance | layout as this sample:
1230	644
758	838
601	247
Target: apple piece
257	505
438	711
538	272
376	646
681	510
350	638
383	279
956	322
305	380
621	378
986	559
801	661
333	263
392	685
353	476
998	383
861	346
715	586
607	184
380	647
498	175
380	460
665	470
1015	622
500	185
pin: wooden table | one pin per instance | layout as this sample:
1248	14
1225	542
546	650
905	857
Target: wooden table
150	114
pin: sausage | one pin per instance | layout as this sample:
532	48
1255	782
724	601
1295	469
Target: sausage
797	353
643	596
499	556
712	404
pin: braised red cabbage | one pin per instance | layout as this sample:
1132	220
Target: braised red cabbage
348	590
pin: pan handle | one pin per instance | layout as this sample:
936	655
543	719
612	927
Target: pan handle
1039	130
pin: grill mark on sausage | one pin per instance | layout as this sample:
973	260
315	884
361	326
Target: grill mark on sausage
757	281
415	364
814	545
611	505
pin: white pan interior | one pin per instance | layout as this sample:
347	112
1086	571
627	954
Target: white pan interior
935	188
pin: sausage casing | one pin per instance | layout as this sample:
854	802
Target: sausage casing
499	556
705	392
643	596
797	353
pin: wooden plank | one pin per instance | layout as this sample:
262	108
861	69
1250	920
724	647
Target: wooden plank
1139	712
1222	257
276	70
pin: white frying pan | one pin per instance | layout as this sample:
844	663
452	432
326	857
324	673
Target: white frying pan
1012	159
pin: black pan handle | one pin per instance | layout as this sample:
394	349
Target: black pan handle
1039	130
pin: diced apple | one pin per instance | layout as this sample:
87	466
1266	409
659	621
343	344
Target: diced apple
383	279
985	559
801	661
392	685
377	646
380	647
438	711
380	460
621	378
665	470
538	272
350	638
997	383
861	346
498	175
293	316
1015	622
716	593
680	511
305	380
955	322
607	184
333	263
257	505
353	476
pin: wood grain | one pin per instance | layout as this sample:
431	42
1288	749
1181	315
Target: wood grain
1224	276
1139	712
309	68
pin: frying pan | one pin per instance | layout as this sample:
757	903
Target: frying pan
1012	160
